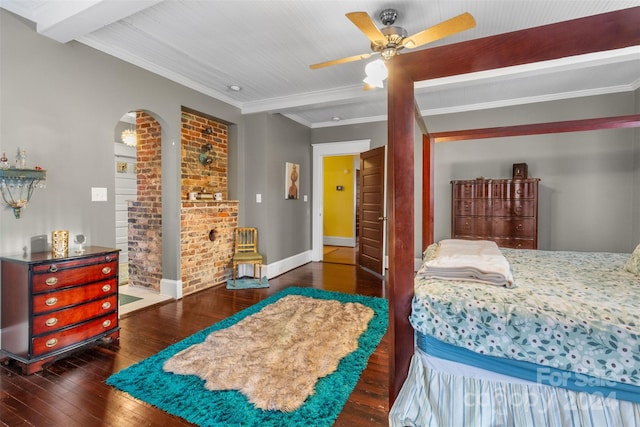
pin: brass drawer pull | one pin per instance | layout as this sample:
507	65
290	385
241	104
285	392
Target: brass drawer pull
106	305
53	268
106	270
51	281
51	301
519	227
106	288
106	323
108	258
51	343
51	321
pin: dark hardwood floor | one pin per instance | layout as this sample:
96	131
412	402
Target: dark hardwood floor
72	391
340	255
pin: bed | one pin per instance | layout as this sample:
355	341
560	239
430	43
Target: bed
565	340
605	32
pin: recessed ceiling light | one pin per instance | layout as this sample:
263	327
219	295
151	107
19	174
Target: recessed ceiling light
336	118
234	88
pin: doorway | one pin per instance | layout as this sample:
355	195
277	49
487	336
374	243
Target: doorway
340	208
126	172
320	151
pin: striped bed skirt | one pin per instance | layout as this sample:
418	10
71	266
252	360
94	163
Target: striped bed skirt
443	393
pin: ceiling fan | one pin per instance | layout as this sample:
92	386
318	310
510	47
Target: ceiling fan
389	40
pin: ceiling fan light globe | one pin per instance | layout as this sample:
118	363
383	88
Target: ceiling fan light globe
376	70
372	82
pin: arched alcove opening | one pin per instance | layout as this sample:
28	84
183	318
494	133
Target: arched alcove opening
125	187
138	200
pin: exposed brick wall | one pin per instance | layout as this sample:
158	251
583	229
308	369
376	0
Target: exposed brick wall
145	214
205	263
211	178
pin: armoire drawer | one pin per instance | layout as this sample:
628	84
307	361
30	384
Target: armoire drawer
515	243
471	189
507	189
472	207
513	207
522	227
472	226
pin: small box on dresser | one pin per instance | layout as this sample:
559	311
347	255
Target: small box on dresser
502	210
53	305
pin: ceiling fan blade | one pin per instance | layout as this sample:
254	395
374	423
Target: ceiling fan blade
363	21
440	31
340	61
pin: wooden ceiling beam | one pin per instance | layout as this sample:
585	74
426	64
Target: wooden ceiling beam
616	122
608	31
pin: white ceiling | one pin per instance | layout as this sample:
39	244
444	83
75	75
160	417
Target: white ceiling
266	47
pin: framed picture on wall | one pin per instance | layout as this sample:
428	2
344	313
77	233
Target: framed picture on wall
291	180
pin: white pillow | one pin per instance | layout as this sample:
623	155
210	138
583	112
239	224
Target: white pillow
633	264
431	252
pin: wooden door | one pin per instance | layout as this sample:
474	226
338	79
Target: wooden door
371	211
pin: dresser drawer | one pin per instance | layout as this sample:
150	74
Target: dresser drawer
524	189
75	262
527	189
51	301
49	322
516	243
521	228
471	189
75	335
472	207
471	226
55	276
514	207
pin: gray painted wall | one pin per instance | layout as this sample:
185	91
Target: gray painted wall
284	225
61	103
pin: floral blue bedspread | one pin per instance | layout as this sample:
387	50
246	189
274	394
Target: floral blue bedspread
577	311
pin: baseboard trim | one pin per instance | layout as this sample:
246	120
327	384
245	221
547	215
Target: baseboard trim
172	288
280	267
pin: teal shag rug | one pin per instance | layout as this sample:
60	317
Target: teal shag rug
248	283
185	395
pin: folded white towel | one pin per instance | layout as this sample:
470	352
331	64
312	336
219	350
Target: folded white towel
474	260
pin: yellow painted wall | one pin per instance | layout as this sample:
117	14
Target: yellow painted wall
339	209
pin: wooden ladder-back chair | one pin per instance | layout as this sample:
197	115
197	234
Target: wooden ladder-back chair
246	251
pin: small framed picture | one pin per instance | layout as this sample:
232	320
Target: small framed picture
291	180
520	171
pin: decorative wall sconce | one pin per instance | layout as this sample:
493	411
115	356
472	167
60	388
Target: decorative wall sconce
205	158
17	185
